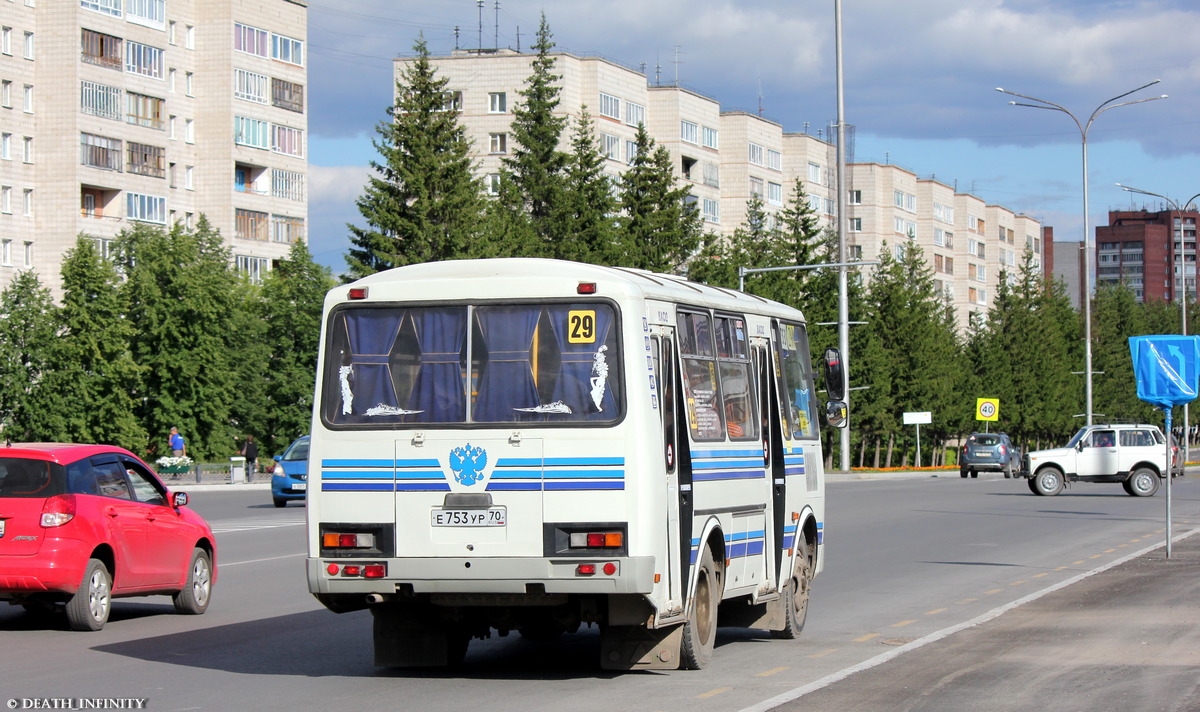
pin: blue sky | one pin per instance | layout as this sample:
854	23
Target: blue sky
919	83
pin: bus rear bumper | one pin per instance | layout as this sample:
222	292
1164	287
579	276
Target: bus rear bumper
630	575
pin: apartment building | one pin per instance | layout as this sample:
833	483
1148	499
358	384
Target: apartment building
728	157
116	112
1152	253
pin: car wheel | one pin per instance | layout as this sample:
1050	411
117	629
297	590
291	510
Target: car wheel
700	630
795	597
1143	482
197	590
280	502
962	473
88	608
1048	481
1008	471
1032	485
975	473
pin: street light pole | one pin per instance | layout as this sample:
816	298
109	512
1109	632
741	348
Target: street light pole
1183	291
1087	238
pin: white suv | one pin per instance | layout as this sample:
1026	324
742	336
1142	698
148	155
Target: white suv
1134	455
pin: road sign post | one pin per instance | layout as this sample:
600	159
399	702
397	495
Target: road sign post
917	418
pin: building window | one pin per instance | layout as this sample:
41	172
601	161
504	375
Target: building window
6	252
287	140
5	199
287	49
756	187
610	146
631	151
774	160
99	48
610	106
189	37
498	143
250	40
171	33
855	224
255	268
27	149
855	197
143	110
775	193
453	101
28	255
100	152
146	160
187	83
189	131
27	202
689	132
497	102
6	146
251	224
28	45
287	184
286	229
144	59
189	174
146	208
710	210
151	13
251	132
710	138
108	7
27	99
250	86
944	213
287	95
755	154
635	114
493	183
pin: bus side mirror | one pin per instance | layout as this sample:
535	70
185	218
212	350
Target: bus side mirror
836	414
835	375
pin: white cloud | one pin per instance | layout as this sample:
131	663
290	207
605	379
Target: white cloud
336	183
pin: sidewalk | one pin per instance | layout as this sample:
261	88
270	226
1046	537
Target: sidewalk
1124	639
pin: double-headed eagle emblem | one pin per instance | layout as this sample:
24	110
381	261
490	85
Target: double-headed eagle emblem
467	464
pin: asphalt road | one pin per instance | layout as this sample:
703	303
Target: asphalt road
914	567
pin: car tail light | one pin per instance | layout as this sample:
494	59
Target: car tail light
1002	450
597	540
58	510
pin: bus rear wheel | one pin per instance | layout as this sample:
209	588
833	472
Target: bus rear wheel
700	630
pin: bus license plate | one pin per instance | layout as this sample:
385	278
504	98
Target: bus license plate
494	517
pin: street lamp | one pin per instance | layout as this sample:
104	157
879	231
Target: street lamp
1087	238
1183	299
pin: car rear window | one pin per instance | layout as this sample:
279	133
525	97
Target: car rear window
985	439
23	478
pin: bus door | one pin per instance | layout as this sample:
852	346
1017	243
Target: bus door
678	534
772	437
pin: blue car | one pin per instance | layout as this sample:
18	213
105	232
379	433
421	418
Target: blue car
290	479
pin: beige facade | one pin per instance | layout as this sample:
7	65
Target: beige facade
156	112
725	158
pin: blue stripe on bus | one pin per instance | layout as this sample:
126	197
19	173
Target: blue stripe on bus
514	486
746	535
422	487
355	475
714	464
373	463
515	474
577	474
734	475
356	487
726	453
555	486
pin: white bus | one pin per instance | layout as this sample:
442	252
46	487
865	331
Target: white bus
530	445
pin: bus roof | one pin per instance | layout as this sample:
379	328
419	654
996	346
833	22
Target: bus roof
526	277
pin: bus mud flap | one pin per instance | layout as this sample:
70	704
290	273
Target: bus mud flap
404	638
636	647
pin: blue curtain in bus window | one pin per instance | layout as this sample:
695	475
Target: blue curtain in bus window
372	333
583	361
507	379
439	392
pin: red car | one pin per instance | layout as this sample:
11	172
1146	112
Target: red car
81	525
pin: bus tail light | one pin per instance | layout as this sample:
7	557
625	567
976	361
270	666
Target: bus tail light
608	568
358	292
597	540
347	540
357	570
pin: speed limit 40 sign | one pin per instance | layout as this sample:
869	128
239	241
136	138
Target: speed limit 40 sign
987	409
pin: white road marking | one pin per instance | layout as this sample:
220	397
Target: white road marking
244	525
935	636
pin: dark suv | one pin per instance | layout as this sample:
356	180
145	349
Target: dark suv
988	452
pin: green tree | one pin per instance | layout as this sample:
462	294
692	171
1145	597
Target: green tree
89	387
661	229
292	299
28	327
589	206
424	202
536	173
1117	315
181	297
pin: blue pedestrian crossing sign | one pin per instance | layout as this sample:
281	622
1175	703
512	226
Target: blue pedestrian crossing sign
1166	368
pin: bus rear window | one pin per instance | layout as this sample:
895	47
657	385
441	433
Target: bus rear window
527	363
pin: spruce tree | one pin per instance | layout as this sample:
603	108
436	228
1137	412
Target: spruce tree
424	202
661	228
589	205
537	168
28	326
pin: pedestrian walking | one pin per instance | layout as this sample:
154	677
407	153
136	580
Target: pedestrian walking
177	443
250	452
